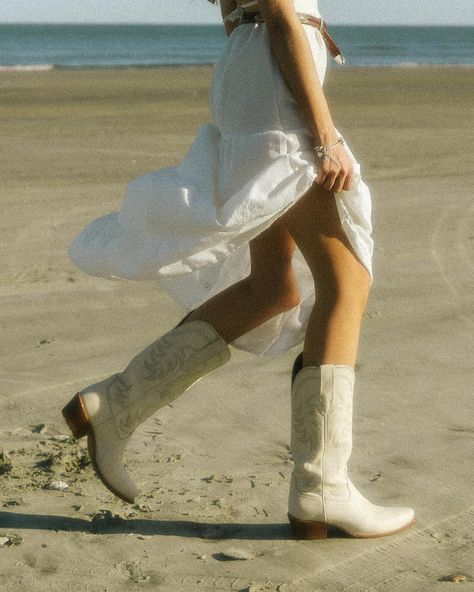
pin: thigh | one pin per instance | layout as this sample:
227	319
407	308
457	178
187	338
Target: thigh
271	252
314	224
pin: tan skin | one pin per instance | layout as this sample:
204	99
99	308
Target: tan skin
312	224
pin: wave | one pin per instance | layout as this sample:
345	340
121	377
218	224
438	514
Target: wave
408	65
27	68
101	66
141	66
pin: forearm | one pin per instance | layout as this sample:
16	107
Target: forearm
293	54
227	6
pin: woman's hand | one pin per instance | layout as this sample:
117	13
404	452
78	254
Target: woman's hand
336	172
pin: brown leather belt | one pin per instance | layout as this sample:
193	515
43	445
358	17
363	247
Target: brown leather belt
306	19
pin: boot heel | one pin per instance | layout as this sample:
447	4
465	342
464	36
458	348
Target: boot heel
308	531
76	417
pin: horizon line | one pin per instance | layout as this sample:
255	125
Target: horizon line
141	23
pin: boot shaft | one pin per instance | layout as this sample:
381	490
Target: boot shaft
321	428
160	373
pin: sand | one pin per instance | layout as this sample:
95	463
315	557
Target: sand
214	467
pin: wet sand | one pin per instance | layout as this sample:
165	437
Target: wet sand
214	467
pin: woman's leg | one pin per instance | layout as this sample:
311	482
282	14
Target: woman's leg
342	282
109	411
321	494
270	289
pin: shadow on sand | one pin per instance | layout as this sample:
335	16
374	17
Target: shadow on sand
106	523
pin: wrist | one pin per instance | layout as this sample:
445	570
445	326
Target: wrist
325	137
323	152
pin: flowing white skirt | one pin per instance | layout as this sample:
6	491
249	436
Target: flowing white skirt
188	226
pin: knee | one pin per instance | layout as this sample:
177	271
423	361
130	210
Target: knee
351	291
278	293
285	296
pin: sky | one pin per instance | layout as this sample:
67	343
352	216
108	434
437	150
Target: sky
418	12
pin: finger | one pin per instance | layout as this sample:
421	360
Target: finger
348	183
331	179
323	169
339	183
320	178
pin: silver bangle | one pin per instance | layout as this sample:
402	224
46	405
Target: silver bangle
323	152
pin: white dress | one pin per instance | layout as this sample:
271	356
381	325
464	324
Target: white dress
188	226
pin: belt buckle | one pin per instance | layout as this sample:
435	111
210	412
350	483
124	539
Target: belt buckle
308	18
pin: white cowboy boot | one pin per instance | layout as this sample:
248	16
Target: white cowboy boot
108	412
321	493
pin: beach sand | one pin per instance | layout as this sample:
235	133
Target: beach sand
214	467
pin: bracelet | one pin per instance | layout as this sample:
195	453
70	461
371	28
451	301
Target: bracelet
323	152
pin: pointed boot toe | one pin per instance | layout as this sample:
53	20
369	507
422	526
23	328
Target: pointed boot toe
397	519
360	518
105	447
107	461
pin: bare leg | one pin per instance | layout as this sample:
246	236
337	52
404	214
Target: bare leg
270	289
321	402
342	281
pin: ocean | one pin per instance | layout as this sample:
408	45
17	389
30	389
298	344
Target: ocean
41	47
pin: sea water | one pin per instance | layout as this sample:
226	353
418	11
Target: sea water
100	46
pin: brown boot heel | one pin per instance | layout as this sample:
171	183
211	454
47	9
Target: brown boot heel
308	531
76	417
